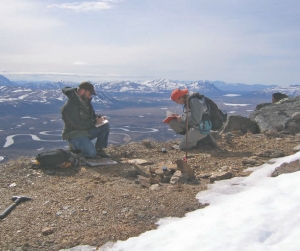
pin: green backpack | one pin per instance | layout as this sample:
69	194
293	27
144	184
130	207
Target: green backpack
216	116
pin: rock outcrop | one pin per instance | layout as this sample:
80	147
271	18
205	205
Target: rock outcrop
280	116
240	123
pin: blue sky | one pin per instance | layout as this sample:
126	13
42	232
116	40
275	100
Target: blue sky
251	42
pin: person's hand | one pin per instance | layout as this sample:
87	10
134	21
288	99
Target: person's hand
100	120
179	118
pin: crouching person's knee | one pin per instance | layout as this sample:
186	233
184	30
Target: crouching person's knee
104	129
90	154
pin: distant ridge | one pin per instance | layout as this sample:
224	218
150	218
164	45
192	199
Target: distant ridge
48	85
5	81
159	86
291	90
239	87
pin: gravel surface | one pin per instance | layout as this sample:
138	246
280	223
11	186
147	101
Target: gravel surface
94	205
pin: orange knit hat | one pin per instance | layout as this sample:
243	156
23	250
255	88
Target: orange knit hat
177	93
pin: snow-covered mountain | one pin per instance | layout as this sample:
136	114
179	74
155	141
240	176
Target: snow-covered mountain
209	88
290	90
24	100
151	86
15	94
239	87
122	93
158	86
47	85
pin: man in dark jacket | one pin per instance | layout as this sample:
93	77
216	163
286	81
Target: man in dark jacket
81	122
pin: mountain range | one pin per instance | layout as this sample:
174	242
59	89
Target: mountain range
136	109
115	94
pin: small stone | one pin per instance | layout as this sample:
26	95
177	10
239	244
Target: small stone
145	182
154	187
249	161
89	197
224	168
47	230
124	210
155	180
132	172
179	178
220	176
158	171
297	148
141	162
141	215
271	153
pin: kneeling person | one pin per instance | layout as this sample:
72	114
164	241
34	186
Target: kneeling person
80	122
195	111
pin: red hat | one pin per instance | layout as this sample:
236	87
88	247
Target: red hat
177	93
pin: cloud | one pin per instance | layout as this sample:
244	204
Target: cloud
80	63
24	16
85	6
69	76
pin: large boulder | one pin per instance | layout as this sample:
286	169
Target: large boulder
262	105
240	123
279	116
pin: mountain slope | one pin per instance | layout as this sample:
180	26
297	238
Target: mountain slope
5	81
92	206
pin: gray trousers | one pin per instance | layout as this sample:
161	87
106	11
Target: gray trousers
194	134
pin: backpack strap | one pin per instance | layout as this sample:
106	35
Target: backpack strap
202	99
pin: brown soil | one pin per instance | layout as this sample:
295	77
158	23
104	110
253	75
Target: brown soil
92	206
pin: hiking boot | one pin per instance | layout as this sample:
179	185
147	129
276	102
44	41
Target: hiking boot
102	153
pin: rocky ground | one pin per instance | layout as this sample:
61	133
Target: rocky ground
94	205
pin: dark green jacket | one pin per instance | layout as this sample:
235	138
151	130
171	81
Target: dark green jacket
77	116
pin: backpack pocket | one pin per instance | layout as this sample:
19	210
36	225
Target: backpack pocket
205	124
